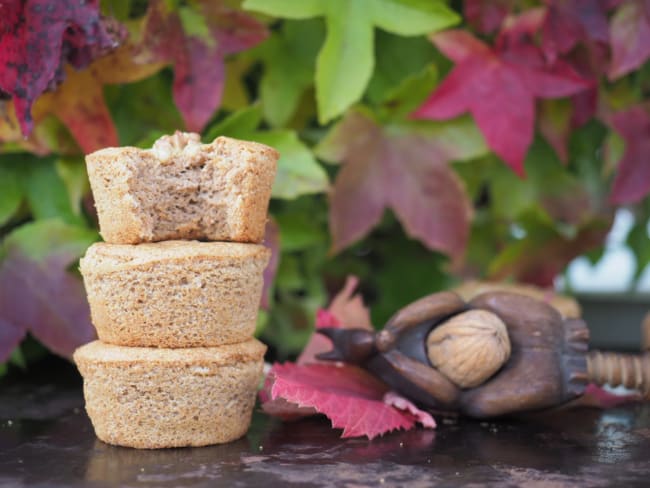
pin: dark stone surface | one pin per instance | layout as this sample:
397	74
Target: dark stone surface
46	440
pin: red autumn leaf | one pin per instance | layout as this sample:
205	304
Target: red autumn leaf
79	101
595	396
349	396
520	261
347	310
10	336
399	168
630	37
198	62
38	37
352	398
404	404
486	15
632	181
38	293
569	22
499	85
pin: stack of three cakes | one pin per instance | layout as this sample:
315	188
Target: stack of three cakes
176	363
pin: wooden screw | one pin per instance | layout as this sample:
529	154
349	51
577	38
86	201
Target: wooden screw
618	369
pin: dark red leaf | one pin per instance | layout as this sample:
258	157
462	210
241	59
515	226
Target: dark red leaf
38	293
10	336
632	181
198	63
402	169
352	398
349	396
585	105
347	310
523	263
597	397
499	86
569	22
37	38
630	37
486	15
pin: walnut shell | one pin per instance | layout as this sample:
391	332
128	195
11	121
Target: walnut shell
469	347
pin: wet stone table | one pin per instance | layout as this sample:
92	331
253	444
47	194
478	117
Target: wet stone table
46	440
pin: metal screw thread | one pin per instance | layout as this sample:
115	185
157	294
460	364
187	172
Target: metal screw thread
617	369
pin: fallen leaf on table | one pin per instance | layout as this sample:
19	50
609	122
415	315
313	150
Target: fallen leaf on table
349	396
598	397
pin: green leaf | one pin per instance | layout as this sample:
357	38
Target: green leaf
298	171
346	60
73	173
119	9
397	59
11	193
413	17
289	64
299	230
638	240
194	24
237	124
17	357
406	271
549	187
37	240
140	108
542	251
289	9
460	138
289	276
46	192
39	181
262	321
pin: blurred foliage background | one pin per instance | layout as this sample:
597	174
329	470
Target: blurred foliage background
423	142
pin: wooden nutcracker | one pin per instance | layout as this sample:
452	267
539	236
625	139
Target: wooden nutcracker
499	353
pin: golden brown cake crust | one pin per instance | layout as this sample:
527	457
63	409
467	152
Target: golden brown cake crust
97	352
104	257
157	398
182	189
174	294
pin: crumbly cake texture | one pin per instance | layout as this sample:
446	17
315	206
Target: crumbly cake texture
156	398
174	294
182	189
